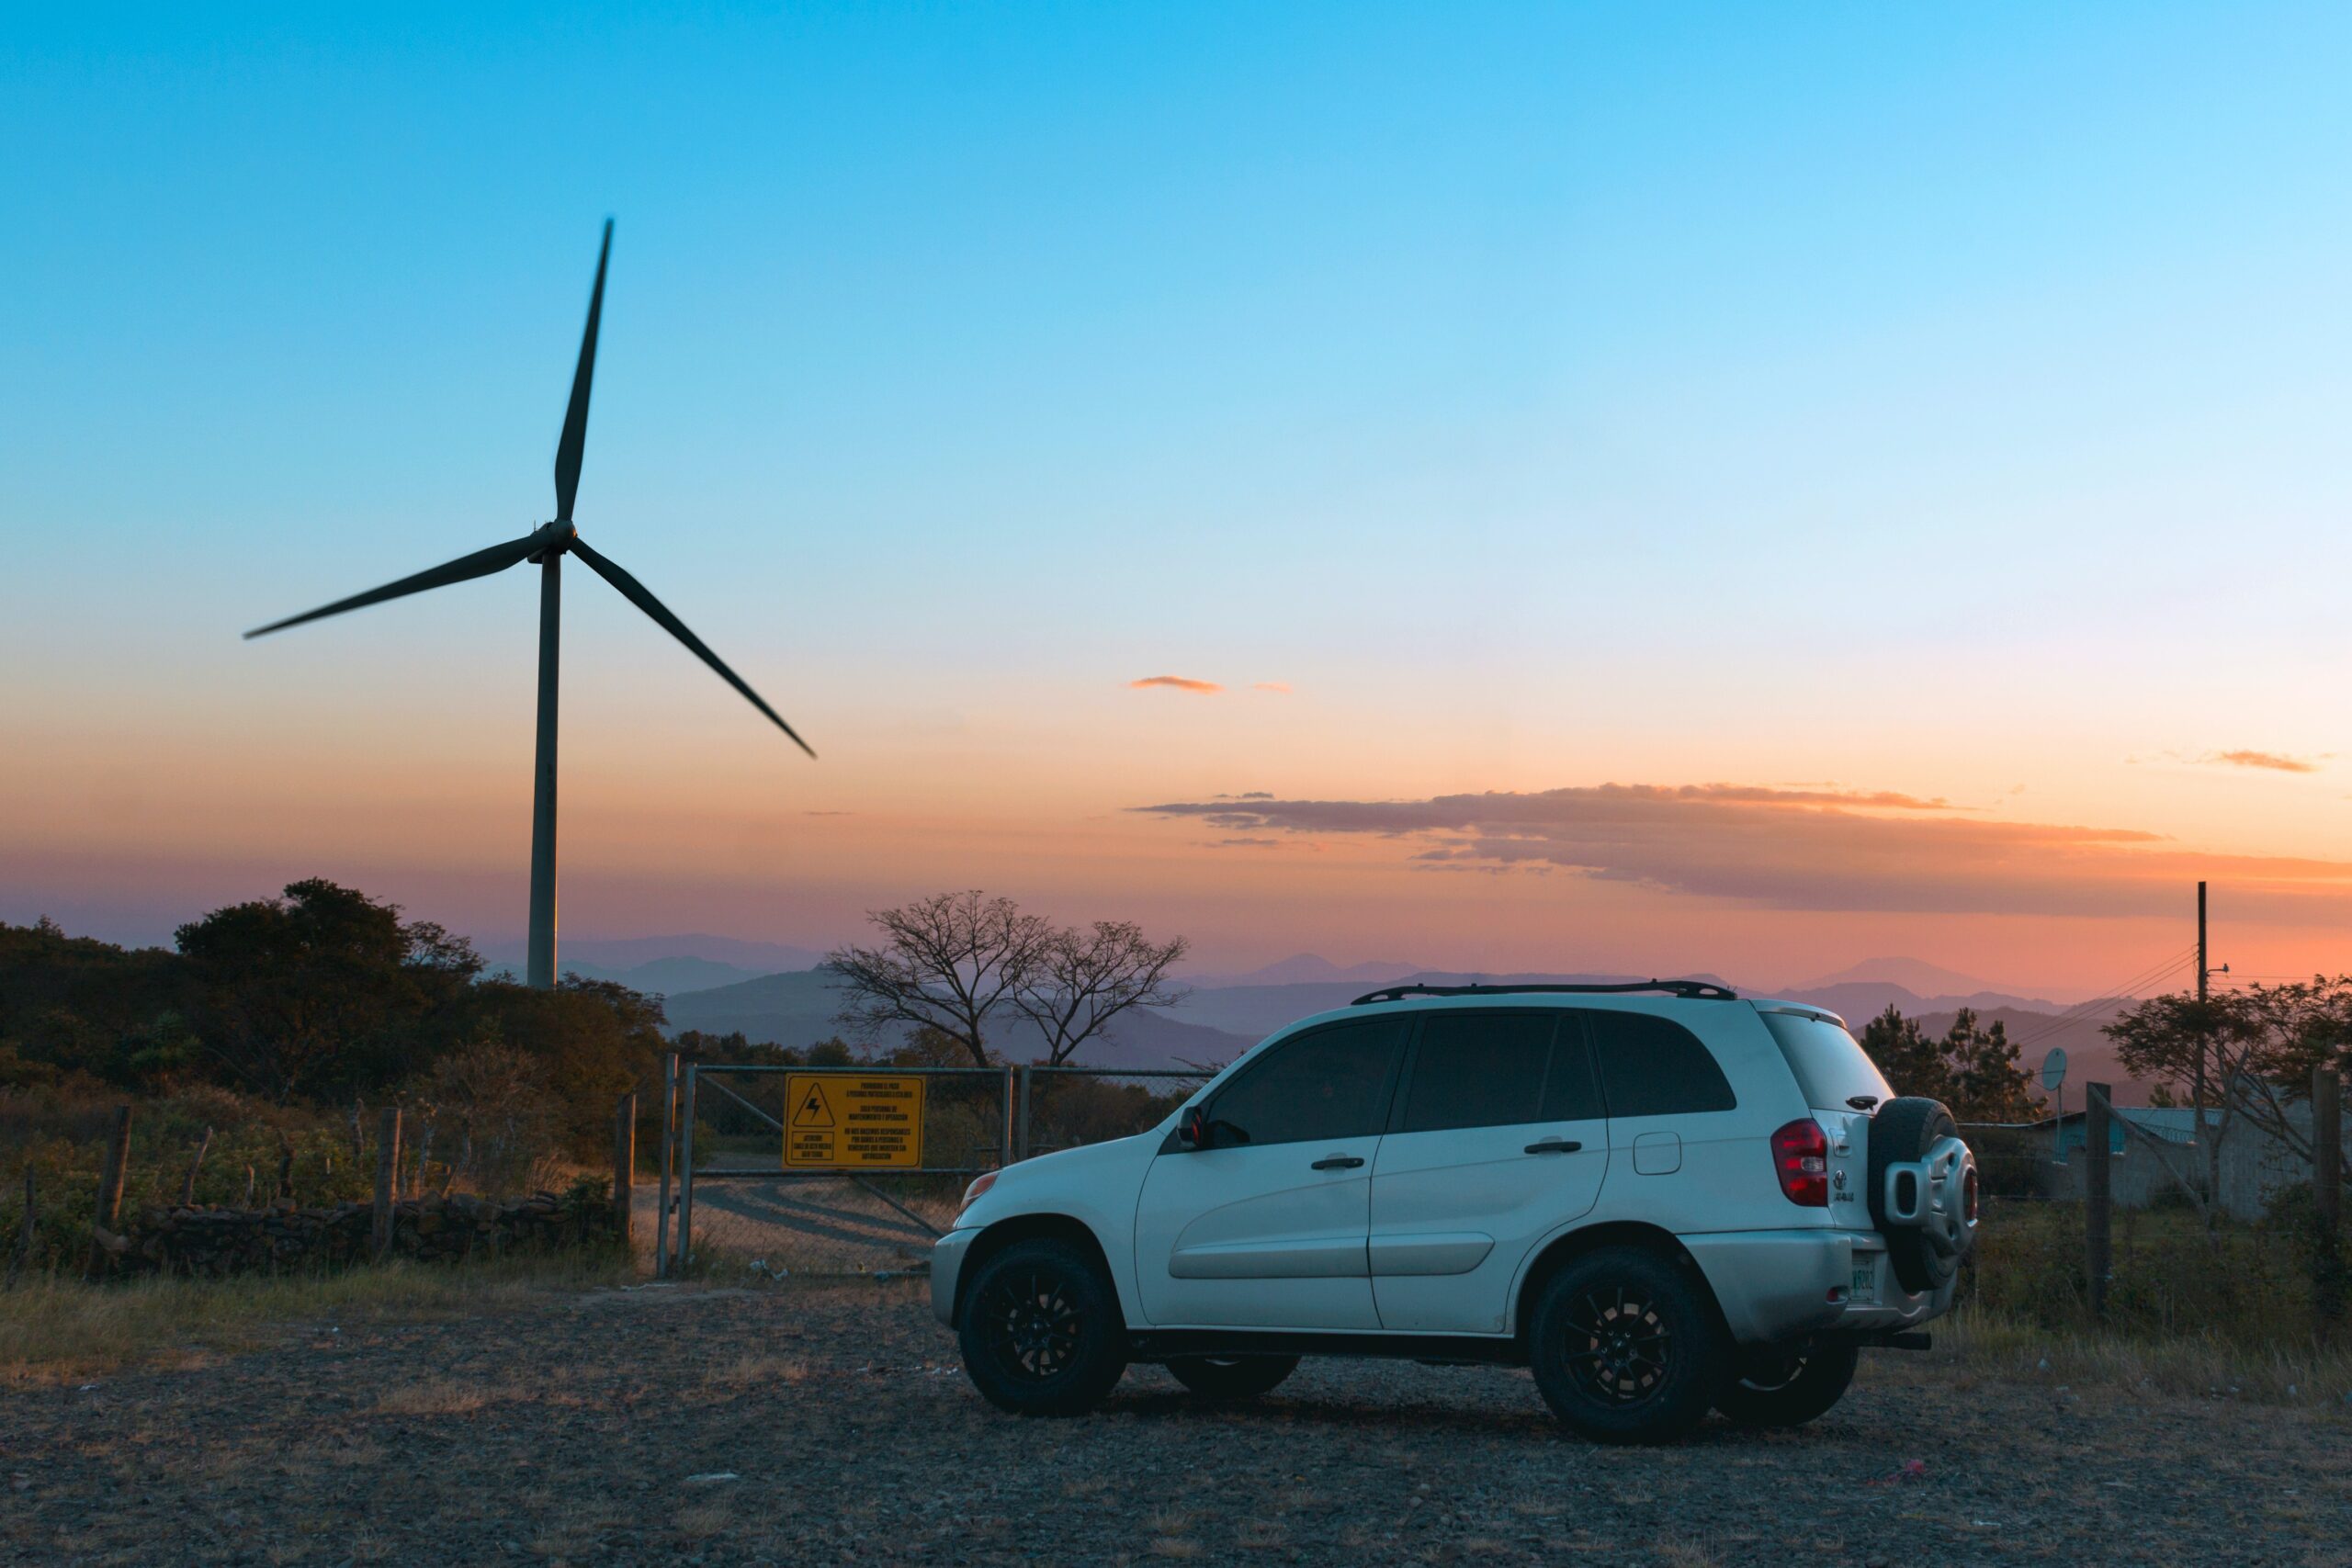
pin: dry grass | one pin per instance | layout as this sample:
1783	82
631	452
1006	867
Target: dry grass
434	1397
54	1330
2006	1347
757	1370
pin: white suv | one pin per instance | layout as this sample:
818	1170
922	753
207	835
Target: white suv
1661	1198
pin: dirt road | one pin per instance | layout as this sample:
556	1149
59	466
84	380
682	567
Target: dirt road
830	1425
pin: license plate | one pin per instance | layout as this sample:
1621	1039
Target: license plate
1865	1281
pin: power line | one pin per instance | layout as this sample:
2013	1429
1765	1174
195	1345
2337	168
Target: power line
2082	1011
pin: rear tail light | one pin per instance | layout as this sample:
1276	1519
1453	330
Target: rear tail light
1801	1159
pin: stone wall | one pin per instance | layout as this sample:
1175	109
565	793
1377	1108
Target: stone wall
215	1241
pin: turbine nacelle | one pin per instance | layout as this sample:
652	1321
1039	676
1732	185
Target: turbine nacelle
551	538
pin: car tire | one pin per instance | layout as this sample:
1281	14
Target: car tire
1042	1331
1905	1128
1231	1377
1626	1346
1789	1388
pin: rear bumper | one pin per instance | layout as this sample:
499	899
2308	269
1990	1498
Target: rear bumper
1775	1286
946	1263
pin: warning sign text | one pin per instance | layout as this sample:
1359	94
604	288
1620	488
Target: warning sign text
853	1122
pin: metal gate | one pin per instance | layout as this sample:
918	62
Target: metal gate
728	1205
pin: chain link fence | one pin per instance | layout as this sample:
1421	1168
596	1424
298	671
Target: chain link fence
726	1205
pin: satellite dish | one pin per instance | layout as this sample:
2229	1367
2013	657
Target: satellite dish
2053	1068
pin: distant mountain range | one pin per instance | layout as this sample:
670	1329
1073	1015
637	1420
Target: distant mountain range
1221	1017
1305	968
662	965
800	1008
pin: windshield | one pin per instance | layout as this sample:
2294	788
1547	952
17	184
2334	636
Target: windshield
1830	1068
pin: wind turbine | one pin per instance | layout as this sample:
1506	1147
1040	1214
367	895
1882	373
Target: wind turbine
547	545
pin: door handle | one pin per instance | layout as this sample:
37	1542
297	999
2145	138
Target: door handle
1554	1146
1338	1162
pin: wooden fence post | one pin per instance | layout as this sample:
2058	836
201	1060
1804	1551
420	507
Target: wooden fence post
387	1160
2097	1196
23	1256
187	1182
110	1182
669	1163
625	1169
2327	1194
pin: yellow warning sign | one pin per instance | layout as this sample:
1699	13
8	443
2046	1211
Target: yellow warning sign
853	1122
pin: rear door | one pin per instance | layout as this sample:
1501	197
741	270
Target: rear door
1265	1228
1497	1140
1681	1155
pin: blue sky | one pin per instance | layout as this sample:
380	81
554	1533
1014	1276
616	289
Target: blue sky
1934	398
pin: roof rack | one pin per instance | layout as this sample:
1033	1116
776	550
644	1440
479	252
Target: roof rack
1696	989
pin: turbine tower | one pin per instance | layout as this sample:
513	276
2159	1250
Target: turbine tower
547	545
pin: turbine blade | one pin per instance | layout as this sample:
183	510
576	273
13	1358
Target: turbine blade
575	416
482	563
634	591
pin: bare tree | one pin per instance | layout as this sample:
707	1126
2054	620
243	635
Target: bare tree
950	963
1082	980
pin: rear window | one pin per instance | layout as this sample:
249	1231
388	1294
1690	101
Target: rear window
1654	1066
1830	1068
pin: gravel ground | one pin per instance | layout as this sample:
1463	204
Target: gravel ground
831	1424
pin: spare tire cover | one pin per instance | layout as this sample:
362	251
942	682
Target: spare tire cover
1904	1129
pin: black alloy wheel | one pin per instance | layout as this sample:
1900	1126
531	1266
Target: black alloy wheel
1789	1386
1231	1377
1031	1322
1626	1345
1619	1344
1042	1332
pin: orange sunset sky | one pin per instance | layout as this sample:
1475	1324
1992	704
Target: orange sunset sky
1529	488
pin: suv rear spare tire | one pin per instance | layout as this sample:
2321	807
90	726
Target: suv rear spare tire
1907	1130
1626	1347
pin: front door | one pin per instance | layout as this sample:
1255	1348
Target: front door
1499	1139
1264	1228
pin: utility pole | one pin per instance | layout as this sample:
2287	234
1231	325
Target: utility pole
2197	1079
2202	972
2198	1131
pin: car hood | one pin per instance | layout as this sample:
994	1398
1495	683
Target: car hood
1049	1181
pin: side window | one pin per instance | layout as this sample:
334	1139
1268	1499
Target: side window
1478	1069
1571	1093
1331	1084
1654	1066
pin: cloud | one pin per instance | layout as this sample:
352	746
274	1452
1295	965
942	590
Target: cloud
1802	849
1280	688
1177	683
2272	760
1244	843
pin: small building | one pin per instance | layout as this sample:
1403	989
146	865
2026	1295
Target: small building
2254	1165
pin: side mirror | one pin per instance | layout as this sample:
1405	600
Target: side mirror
1192	1132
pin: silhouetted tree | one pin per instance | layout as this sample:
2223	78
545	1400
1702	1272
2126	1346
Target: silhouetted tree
2245	1054
953	962
1973	1070
318	990
1082	980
